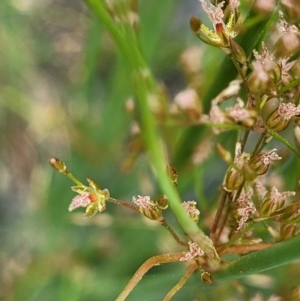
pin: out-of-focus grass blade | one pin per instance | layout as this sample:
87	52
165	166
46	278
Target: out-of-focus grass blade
280	254
249	40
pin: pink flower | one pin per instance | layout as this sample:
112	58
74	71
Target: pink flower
142	201
191	209
194	251
288	110
81	200
277	196
267	157
246	208
265	58
215	13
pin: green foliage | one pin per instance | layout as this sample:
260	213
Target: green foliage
67	72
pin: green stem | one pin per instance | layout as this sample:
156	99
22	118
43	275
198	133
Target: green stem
145	87
284	141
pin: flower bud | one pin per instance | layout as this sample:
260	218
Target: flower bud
248	172
275	73
287	231
258	165
153	213
195	24
276	122
224	153
59	165
173	175
291	10
233	180
162	202
238	52
206	277
269	206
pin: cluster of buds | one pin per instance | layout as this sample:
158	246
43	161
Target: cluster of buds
246	168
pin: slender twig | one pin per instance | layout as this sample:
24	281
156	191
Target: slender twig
218	214
124	204
258	145
191	269
284	141
164	224
145	267
243	249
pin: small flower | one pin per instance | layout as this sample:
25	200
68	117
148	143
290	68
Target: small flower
192	210
222	32
142	201
194	251
147	207
265	58
91	197
246	208
277	196
274	201
267	157
81	200
288	110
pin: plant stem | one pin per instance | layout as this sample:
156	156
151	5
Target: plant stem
191	269
145	87
165	225
145	267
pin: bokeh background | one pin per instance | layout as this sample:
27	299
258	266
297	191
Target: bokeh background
63	89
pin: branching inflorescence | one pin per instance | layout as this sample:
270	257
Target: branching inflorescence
262	102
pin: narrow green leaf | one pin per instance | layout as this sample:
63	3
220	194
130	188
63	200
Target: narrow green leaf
280	254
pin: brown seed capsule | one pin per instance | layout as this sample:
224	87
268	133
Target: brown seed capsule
269	206
59	165
238	52
195	24
276	122
162	202
233	180
258	165
287	231
206	277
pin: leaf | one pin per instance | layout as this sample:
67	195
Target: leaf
280	254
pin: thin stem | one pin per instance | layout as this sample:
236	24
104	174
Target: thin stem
124	204
237	66
145	86
243	249
244	140
258	145
145	267
224	220
218	214
284	141
182	243
74	179
191	269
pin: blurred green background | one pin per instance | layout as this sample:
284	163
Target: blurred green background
63	89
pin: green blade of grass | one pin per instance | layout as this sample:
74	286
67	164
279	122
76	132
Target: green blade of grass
280	254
